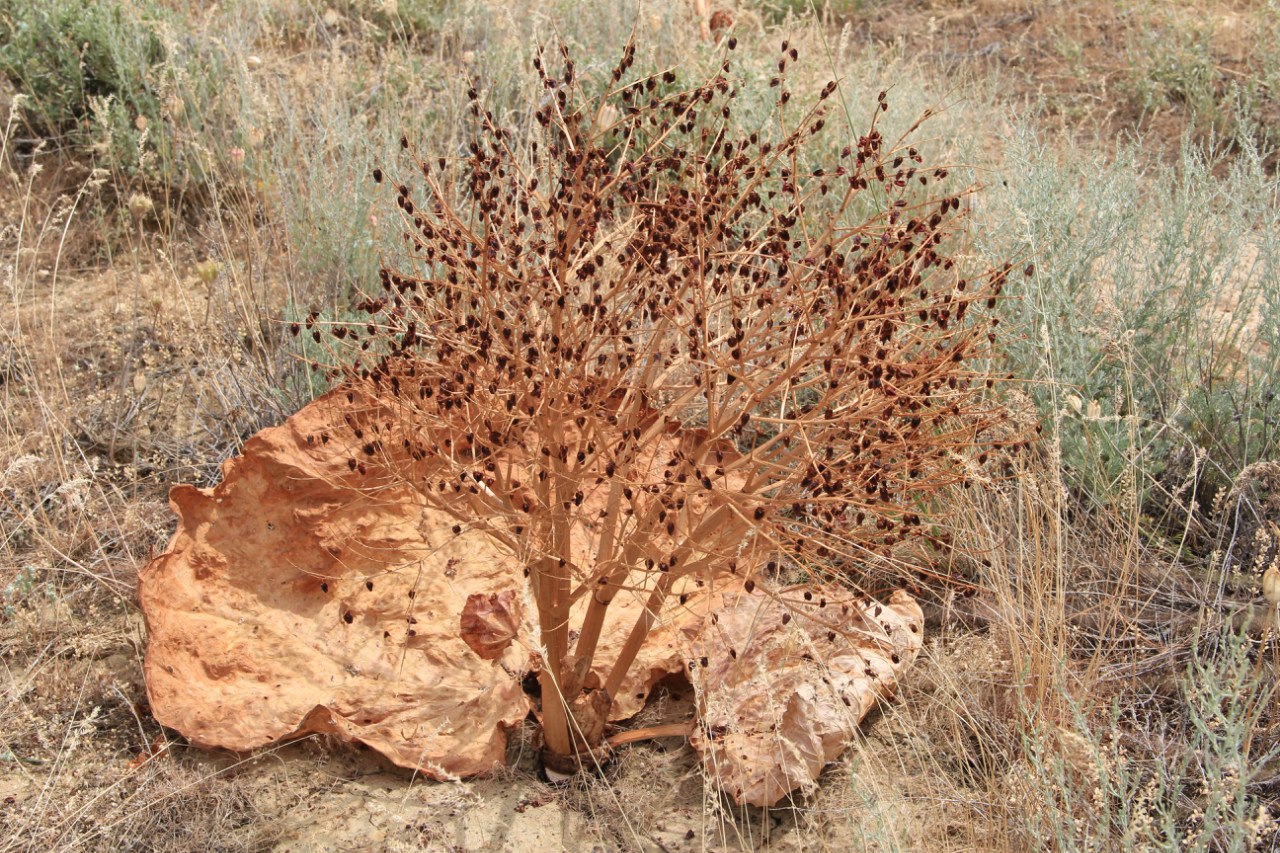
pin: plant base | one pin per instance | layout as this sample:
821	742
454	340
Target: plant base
558	768
588	715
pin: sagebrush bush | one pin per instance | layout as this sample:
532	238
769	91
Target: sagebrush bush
105	79
635	329
1102	787
1151	323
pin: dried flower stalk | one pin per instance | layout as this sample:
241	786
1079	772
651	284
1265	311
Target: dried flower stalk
644	348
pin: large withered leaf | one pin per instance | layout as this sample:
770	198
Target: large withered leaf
784	679
290	601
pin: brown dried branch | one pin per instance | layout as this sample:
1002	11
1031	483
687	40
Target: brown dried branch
658	348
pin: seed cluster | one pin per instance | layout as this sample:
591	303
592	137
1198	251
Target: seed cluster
682	339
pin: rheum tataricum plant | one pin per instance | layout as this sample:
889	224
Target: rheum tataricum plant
644	348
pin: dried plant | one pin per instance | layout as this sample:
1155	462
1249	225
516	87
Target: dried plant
644	348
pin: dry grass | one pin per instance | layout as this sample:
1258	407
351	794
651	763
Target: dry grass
1090	695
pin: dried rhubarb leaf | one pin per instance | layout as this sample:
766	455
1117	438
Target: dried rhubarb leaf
293	599
490	623
786	679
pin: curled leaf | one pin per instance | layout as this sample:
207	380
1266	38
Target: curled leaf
784	679
490	622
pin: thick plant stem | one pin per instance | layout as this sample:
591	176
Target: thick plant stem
718	526
556	734
619	567
593	622
553	616
639	632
